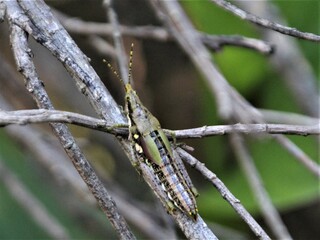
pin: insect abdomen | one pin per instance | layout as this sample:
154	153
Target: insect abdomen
171	179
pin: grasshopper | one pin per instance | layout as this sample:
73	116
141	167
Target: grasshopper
153	149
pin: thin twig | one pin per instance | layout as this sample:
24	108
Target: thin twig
289	61
301	156
248	129
35	87
2	11
78	26
270	213
265	23
215	42
218	42
272	116
117	39
225	193
23	117
31	204
102	46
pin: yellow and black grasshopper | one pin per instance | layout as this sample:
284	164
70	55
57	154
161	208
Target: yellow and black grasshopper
153	149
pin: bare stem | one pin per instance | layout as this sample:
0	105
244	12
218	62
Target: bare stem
215	42
301	156
23	117
265	23
225	193
22	54
270	213
248	129
117	39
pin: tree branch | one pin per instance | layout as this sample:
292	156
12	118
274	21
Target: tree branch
34	85
248	129
215	42
225	193
305	93
117	40
270	213
78	26
266	23
272	116
301	156
23	117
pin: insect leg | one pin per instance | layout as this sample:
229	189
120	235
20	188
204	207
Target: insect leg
184	173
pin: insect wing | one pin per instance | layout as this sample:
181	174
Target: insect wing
184	174
151	149
166	142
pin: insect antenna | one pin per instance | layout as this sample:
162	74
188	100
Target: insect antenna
130	67
130	63
113	70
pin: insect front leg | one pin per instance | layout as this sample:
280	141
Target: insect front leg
135	146
172	135
113	128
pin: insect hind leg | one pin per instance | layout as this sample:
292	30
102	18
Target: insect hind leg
184	173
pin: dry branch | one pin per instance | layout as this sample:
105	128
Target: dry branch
225	193
266	23
215	42
23	117
19	22
269	211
